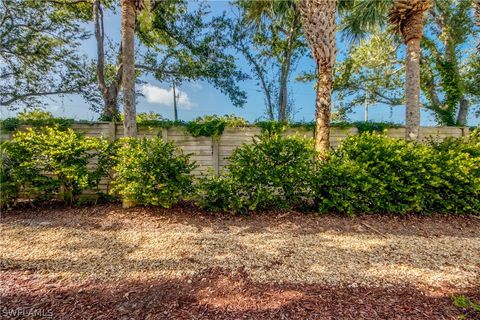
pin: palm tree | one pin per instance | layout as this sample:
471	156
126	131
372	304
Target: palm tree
407	19
318	18
476	12
129	8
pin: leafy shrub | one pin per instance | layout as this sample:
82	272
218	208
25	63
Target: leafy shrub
369	126
372	173
213	125
458	190
34	114
47	161
273	172
218	193
9	187
35	117
152	171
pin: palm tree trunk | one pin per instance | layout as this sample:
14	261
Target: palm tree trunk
318	17
322	110
128	61
476	11
412	126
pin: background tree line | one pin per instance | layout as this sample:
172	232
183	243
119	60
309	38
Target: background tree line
418	53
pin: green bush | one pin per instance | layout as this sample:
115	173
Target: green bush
213	125
384	175
273	172
8	186
218	193
48	161
152	171
372	173
35	117
458	190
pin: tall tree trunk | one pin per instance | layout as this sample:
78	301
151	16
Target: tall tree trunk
412	126
282	95
463	112
407	16
318	17
109	92
175	110
128	61
322	109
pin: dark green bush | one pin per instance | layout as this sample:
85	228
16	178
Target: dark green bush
219	193
152	171
273	172
9	188
458	190
213	125
48	161
371	173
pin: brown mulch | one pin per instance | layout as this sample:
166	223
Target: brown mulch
217	294
104	262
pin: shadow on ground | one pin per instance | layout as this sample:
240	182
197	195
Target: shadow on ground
218	294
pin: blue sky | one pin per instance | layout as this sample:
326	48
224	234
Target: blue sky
200	98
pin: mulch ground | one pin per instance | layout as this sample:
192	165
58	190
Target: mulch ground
104	262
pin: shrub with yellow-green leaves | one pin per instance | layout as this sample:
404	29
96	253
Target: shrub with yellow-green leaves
47	162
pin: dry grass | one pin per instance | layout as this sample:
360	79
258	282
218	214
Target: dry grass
107	243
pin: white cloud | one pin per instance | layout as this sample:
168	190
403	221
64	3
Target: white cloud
164	97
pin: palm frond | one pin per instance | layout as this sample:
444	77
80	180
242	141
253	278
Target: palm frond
365	16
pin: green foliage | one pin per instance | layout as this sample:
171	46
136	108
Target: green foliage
43	41
35	117
34	114
470	309
362	126
271	127
180	42
375	174
152	171
9	124
272	173
219	193
9	187
371	173
213	125
370	73
48	161
459	176
270	37
368	126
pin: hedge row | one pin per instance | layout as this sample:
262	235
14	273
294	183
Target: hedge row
369	173
203	126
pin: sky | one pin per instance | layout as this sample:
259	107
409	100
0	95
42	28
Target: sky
200	98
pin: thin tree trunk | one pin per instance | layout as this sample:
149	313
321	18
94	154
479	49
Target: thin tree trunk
128	61
109	92
463	112
322	110
282	96
412	126
175	111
